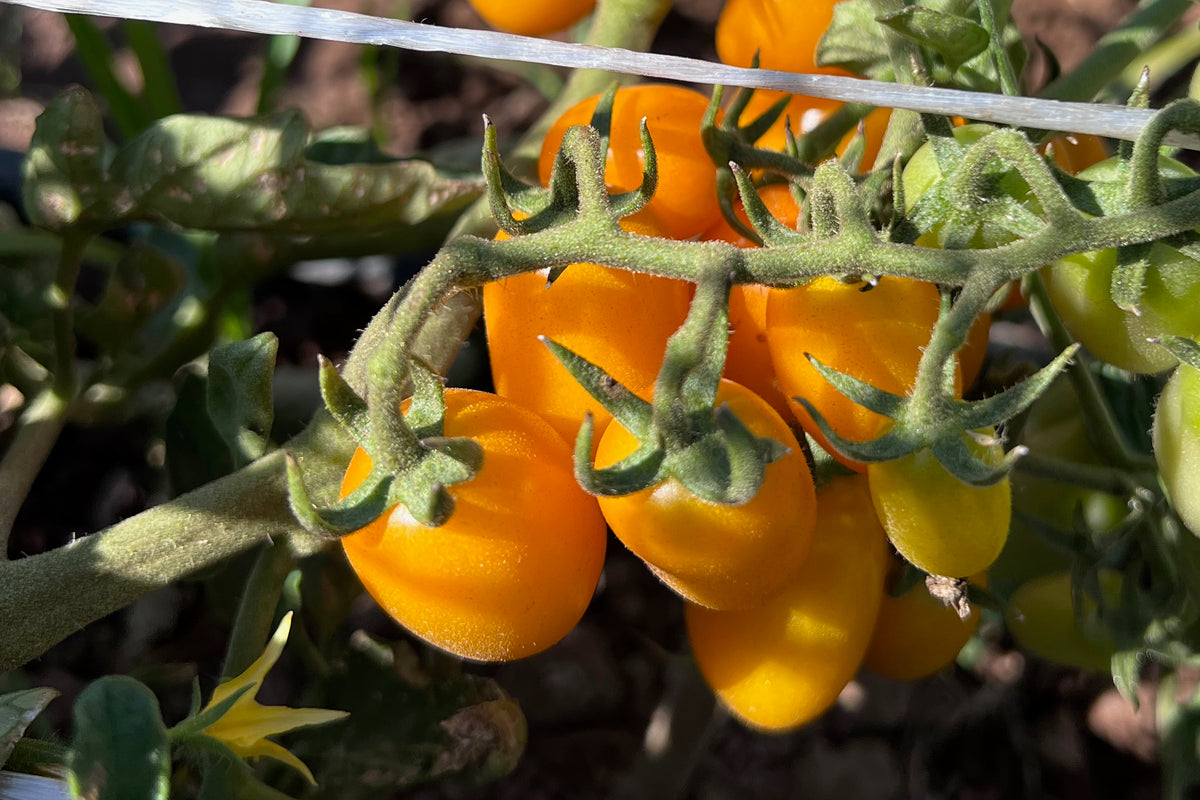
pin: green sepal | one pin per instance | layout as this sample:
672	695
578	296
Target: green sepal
956	456
120	749
1186	350
601	118
353	512
888	447
1129	276
17	711
506	192
991	411
767	229
755	129
860	391
427	411
851	158
343	402
728	466
631	202
956	38
727	185
240	395
1127	671
639	470
626	407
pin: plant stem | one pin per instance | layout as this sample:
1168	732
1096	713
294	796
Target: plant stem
256	613
1116	50
37	430
47	597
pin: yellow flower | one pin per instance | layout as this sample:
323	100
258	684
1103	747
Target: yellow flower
245	726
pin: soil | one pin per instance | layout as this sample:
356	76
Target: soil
1009	727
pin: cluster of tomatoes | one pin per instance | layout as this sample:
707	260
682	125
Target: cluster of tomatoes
788	594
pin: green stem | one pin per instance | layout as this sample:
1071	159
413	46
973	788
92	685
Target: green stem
256	613
37	430
1004	67
1116	50
60	302
1111	480
45	598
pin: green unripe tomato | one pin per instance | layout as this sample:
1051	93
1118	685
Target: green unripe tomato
1041	616
1176	436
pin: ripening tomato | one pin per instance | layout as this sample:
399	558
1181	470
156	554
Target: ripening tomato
876	334
1041	616
783	33
916	635
784	663
720	556
933	519
512	570
618	319
685	201
1080	288
532	17
1075	152
1177	443
748	360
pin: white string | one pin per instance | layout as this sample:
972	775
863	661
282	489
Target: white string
260	16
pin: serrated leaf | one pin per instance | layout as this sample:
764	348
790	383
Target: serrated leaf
120	750
17	710
227	174
64	175
239	395
956	38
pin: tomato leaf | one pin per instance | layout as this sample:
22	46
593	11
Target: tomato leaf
239	395
956	38
17	710
65	179
120	746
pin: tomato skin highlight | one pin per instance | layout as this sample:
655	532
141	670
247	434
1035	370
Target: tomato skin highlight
513	569
916	635
620	320
876	335
532	17
784	663
719	556
684	204
938	523
1176	436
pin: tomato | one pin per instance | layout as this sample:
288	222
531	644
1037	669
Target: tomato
532	17
620	320
512	570
1080	290
685	202
876	335
748	360
784	663
940	524
1041	617
783	33
1176	436
916	635
1075	152
720	556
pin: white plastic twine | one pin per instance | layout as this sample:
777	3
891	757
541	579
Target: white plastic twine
260	16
